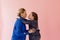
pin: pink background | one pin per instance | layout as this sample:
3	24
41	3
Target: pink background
48	12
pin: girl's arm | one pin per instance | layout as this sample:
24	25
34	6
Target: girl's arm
17	29
25	21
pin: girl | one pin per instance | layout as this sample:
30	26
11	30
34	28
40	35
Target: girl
33	24
19	31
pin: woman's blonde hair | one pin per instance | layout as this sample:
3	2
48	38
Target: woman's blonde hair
21	10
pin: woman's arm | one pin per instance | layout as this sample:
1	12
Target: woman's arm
17	29
25	21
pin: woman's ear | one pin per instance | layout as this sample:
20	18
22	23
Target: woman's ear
21	14
32	17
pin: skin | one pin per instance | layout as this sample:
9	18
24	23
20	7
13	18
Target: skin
30	16
24	14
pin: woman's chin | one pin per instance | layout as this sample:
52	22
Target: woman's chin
29	18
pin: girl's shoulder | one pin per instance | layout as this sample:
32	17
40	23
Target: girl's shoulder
18	20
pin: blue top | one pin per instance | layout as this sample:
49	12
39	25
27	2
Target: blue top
19	31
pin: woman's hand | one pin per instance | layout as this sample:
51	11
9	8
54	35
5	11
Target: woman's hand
32	30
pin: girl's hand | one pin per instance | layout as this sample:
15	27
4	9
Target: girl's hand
32	30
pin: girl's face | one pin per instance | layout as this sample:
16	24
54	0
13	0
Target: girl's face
31	17
24	14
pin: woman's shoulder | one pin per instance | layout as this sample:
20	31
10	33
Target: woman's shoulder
18	20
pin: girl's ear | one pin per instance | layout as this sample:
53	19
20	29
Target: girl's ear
33	17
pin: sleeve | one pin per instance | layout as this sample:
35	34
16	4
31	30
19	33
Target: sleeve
26	32
18	29
25	21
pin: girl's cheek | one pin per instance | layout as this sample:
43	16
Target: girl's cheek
28	17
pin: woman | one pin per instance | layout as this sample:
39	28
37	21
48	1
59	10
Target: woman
33	24
20	32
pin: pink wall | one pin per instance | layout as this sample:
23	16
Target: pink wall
0	21
48	12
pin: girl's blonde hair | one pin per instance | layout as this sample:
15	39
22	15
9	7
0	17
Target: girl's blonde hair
21	10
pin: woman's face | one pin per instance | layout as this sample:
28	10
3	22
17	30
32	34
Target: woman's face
24	14
30	16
